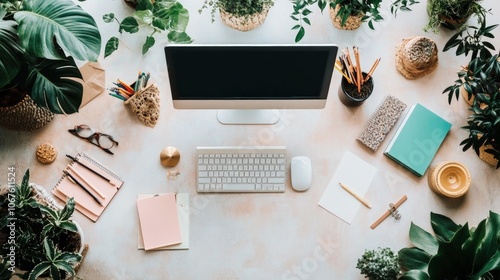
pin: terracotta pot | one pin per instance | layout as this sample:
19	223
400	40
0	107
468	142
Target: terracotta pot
244	23
352	101
450	179
353	22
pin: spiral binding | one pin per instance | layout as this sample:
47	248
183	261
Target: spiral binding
99	165
394	212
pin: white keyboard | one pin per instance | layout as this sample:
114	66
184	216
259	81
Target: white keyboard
241	169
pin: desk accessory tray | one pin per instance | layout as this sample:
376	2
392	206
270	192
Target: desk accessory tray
381	122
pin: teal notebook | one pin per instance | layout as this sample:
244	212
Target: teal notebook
417	139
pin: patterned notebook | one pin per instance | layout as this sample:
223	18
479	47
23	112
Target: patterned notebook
381	122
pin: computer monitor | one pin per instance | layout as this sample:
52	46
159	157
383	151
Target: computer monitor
249	84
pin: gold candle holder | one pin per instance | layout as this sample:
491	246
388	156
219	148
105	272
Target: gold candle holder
450	179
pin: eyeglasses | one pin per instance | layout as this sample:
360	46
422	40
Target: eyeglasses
103	141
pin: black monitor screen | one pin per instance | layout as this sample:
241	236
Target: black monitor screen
245	72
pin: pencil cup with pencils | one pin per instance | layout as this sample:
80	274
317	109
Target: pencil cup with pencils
349	95
356	86
142	98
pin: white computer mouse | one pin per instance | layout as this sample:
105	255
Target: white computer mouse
301	173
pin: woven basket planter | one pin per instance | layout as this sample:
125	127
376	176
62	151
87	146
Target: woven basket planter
352	23
24	116
244	23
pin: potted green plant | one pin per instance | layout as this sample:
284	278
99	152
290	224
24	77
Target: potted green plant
350	14
481	81
484	128
38	237
36	37
240	15
454	251
379	264
452	14
155	16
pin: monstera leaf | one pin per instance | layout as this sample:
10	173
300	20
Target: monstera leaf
54	85
45	25
10	58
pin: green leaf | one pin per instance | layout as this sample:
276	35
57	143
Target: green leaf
144	5
108	17
444	264
49	249
144	16
43	23
296	27
111	46
55	85
413	258
444	228
300	34
414	275
484	243
306	20
423	240
129	24
150	41
38	270
10	53
179	37
54	273
179	18
68	209
492	264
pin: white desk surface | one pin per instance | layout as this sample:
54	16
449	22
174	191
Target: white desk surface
259	236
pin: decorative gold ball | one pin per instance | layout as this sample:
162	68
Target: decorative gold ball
170	156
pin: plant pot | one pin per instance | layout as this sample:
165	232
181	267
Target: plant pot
453	23
450	179
25	115
244	23
352	23
465	95
348	93
487	157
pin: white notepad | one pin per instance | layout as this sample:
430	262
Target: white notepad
356	174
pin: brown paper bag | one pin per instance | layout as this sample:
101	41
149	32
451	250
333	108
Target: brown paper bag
146	105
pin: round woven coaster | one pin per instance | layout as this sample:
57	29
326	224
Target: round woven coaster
411	61
46	153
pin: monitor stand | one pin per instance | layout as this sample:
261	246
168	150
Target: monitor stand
247	116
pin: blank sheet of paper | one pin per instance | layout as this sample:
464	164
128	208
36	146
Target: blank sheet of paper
357	175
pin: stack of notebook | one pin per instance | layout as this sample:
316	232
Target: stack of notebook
163	221
90	183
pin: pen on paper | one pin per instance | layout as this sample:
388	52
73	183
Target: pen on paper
365	203
86	182
90	169
74	180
